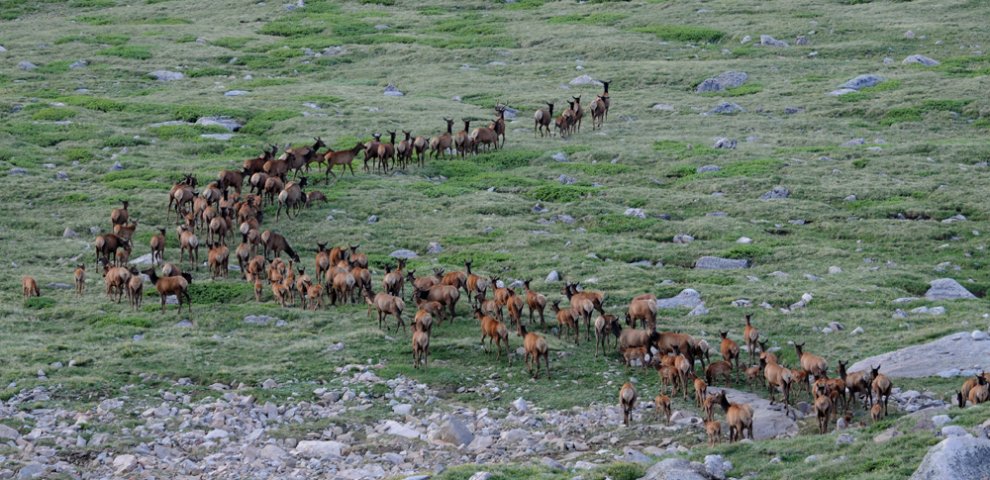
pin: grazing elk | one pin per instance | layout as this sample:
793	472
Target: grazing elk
178	286
29	287
292	197
536	348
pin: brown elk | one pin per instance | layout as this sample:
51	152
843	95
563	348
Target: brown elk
404	150
322	262
80	277
188	242
476	284
627	400
119	216
276	243
495	332
462	142
135	289
644	311
273	186
499	124
542	119
596	299
420	144
256	164
178	286
598	110
751	336
713	428
292	197
232	179
386	152
447	295
823	406
393	282
218	257
565	318
486	136
882	387
578	113
298	157
125	231
739	416
812	364
356	258
157	244
107	245
420	284
536	302
371	150
29	287
661	406
536	348
776	377
386	305
181	194
605	325
963	395
565	119
344	158
440	144
420	346
729	350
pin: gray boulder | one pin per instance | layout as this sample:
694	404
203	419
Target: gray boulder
392	91
688	298
947	289
235	93
718	263
725	108
956	458
225	122
166	75
776	193
675	469
768	41
454	432
862	81
726	143
920	59
724	81
26	66
403	253
585	80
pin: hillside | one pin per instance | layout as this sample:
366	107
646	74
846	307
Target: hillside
728	135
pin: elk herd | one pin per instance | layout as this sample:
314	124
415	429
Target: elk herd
233	206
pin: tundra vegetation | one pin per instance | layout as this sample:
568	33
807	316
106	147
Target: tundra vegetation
858	199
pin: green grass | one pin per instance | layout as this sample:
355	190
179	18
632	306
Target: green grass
930	124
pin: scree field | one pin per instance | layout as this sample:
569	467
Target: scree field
856	199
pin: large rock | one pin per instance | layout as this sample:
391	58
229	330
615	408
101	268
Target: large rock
768	41
319	449
403	253
777	193
862	81
454	432
920	59
955	351
688	298
723	81
675	469
956	458
947	289
769	421
8	433
718	263
225	122
166	76
585	80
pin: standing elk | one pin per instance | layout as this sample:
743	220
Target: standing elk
627	400
29	287
536	348
344	158
542	119
440	144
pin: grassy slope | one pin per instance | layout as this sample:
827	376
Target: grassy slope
927	167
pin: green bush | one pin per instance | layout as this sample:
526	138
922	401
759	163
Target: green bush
38	303
683	33
53	114
560	193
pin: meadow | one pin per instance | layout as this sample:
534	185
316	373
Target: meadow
883	209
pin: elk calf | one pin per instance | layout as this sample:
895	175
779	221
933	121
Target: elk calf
29	287
536	348
627	400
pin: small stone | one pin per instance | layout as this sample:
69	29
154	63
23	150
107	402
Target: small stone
481	476
402	409
116	166
850	198
833	270
69	233
979	335
708	168
909	35
392	91
8	433
862	81
635	212
778	192
559	157
124	463
801	40
566	179
683	239
269	384
26	66
725	143
717	263
941	420
217	434
552	277
166	76
373	219
319	449
768	41
520	405
921	60
31	470
725	108
434	248
724	81
403	253
744	240
845	439
78	64
857	331
585	80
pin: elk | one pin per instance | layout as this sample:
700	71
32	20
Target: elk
685	369
218	227
606	100
643	310
495	332
478	285
484	136
515	306
292	198
386	152
218	257
276	243
596	297
536	348
708	407
605	325
386	305
423	320
392	282
823	406
627	400
565	119
812	364
462	142
963	395
188	241
404	150
776	377
597	109
582	305
441	143
29	287
578	113
420	284
315	196
371	150
342	288
256	164
182	193
447	295
713	428
257	181
80	277
420	144
565	318
314	296
119	216
535	302
135	289
232	179
882	386
356	258
107	245
700	391
322	262
125	231
157	244
344	158
178	286
739	416
751	336
273	186
542	119
115	279
499	124
661	406
420	346
729	349
298	157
